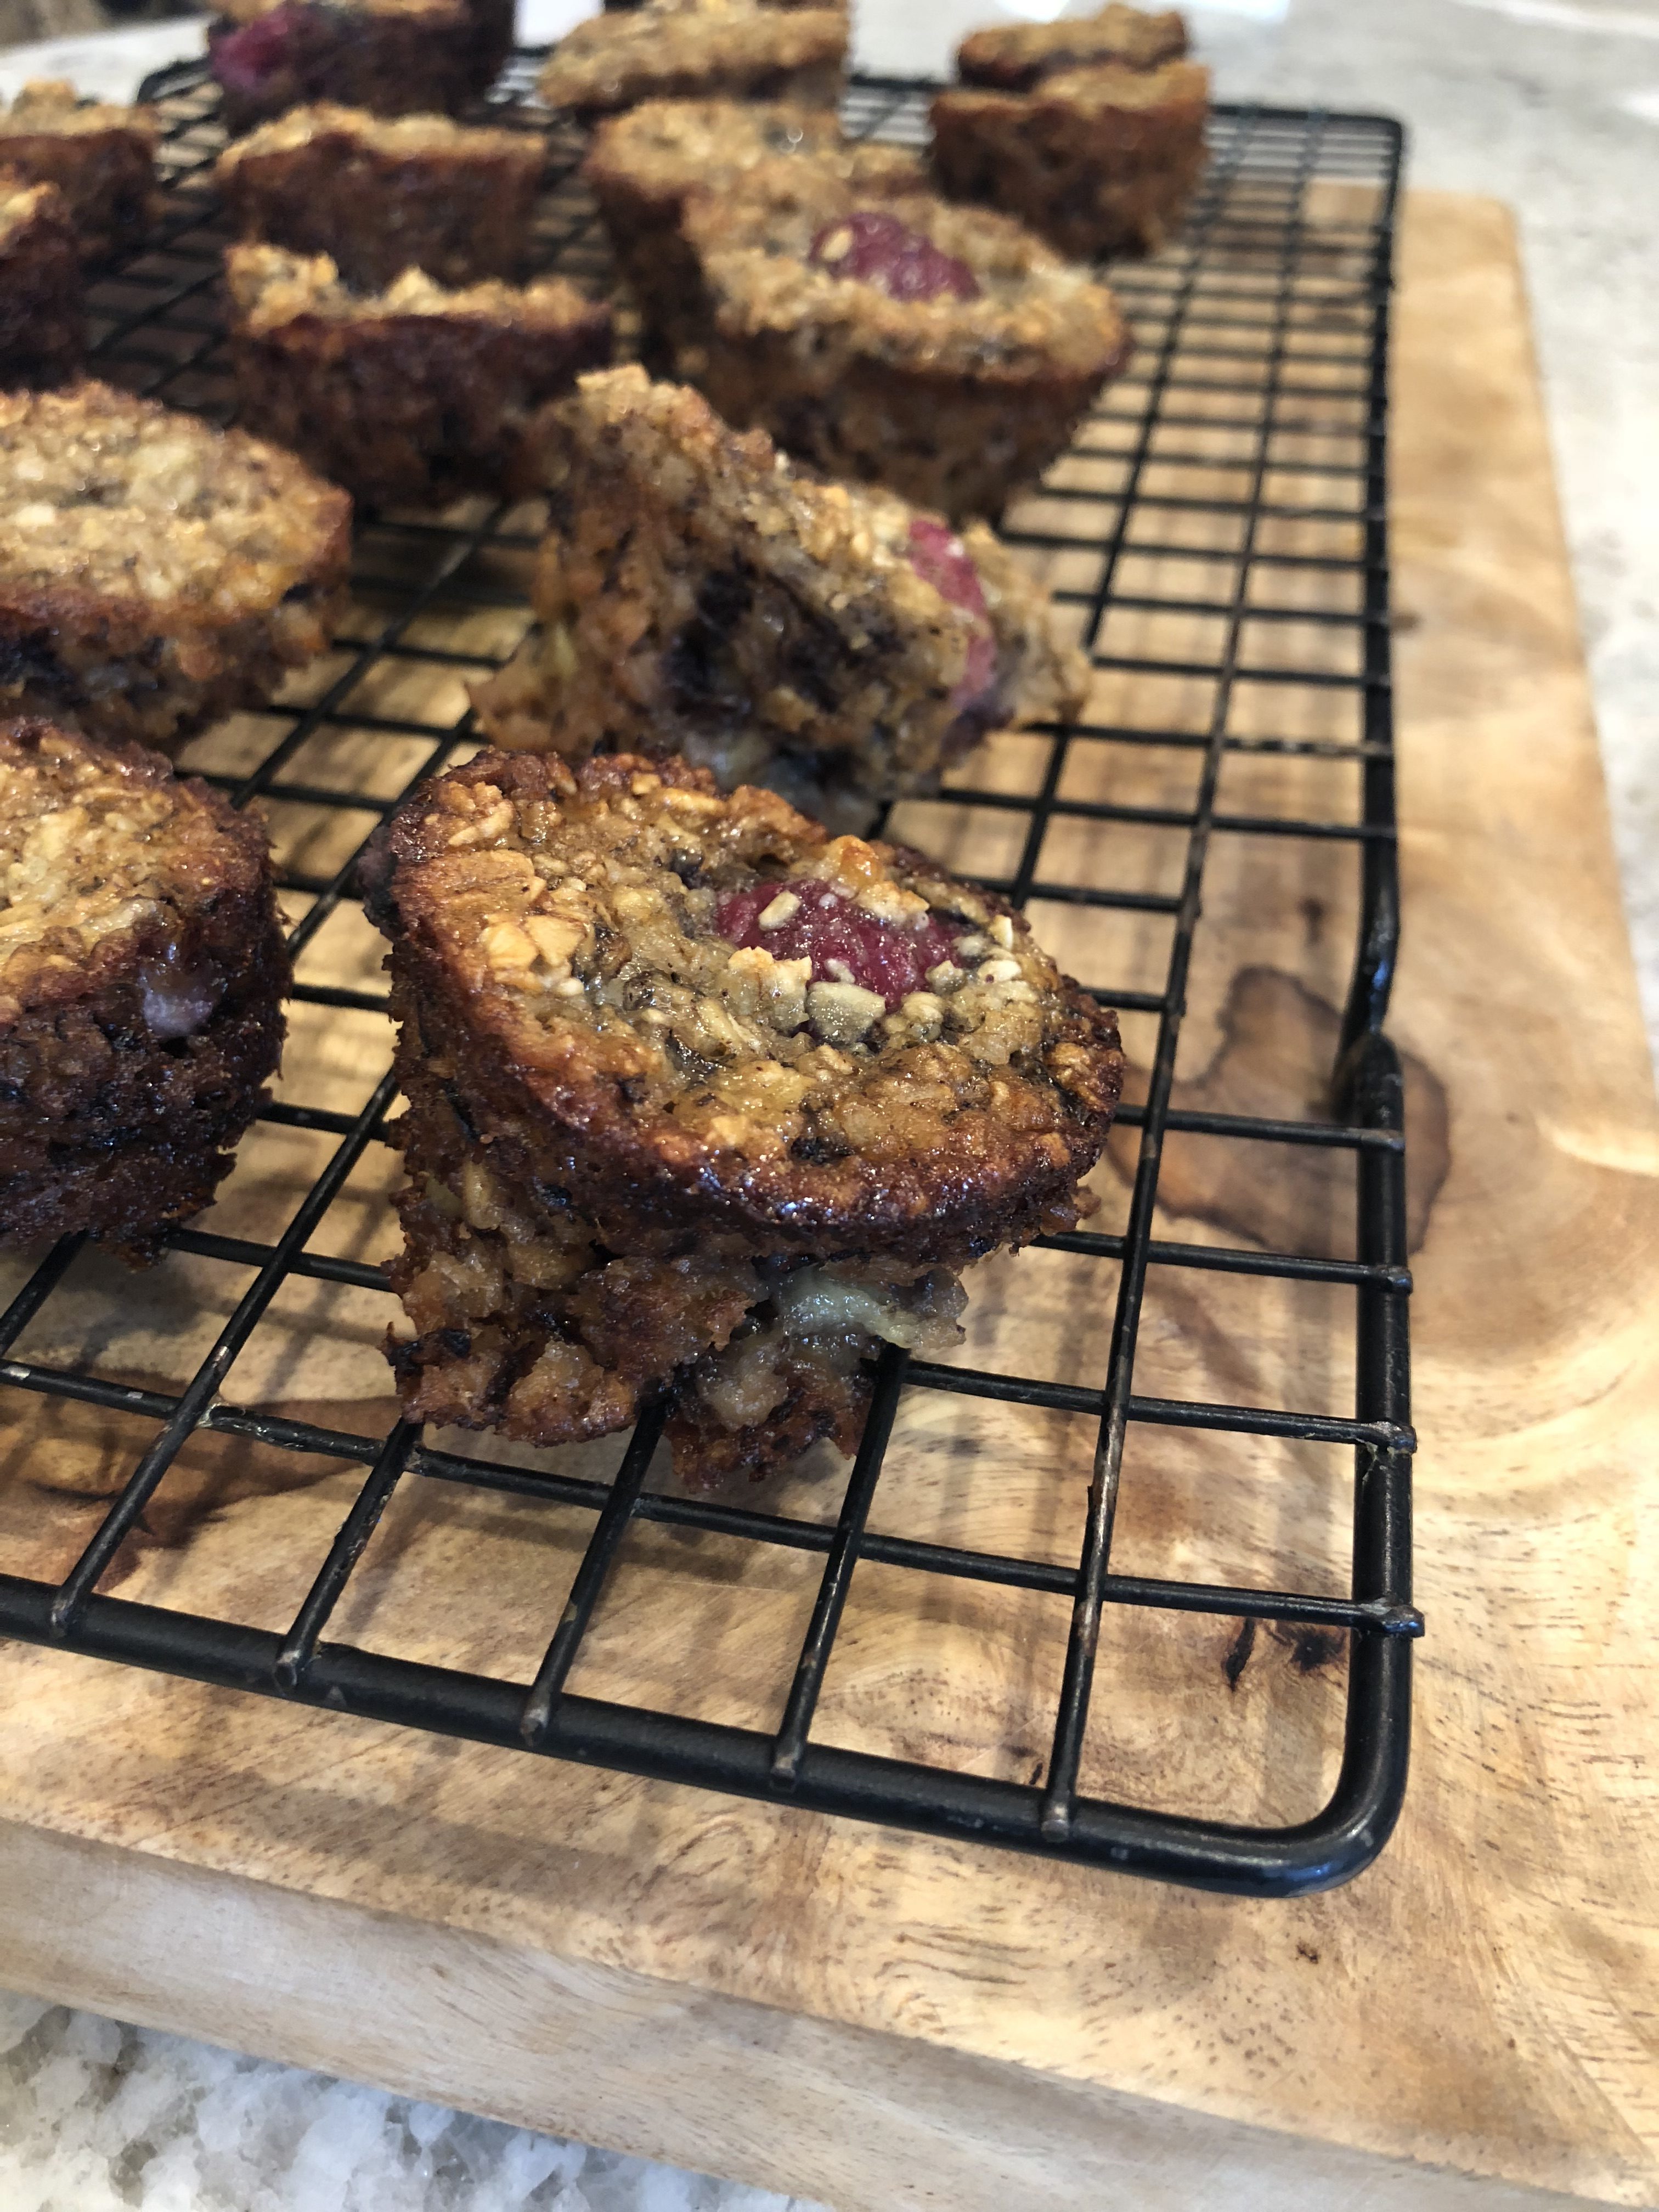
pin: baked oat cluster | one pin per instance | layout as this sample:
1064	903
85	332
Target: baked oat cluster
379	195
698	49
645	166
699	594
42	312
390	56
412	395
101	157
141	974
941	350
703	1101
1014	57
155	573
1098	160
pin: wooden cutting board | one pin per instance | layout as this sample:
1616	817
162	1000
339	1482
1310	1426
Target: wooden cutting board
885	2021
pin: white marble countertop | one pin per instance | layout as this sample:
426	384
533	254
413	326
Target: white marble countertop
1551	105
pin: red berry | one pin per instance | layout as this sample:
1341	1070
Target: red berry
244	58
844	945
877	248
940	558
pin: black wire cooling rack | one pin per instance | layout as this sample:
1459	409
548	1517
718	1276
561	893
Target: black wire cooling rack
1261	333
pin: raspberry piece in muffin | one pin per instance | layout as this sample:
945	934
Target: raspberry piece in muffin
379	195
42	295
645	165
1097	161
647	1154
390	56
873	246
850	333
698	49
414	395
698	594
1013	57
101	158
838	940
141	975
155	573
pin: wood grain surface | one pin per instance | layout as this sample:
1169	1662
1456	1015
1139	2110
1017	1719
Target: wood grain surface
883	2022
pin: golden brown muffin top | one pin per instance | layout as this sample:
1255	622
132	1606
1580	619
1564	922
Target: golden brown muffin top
271	287
675	146
1034	312
99	843
1019	54
395	136
22	202
612	60
51	107
103	494
723	1008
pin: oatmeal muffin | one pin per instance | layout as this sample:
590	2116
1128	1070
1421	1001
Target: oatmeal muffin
1013	57
698	49
699	595
155	573
941	350
142	976
379	195
702	1102
390	56
42	314
102	160
416	394
643	166
1096	160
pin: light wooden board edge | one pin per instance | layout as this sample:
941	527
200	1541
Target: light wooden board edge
864	2122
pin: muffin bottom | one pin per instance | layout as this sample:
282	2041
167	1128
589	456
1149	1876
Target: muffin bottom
960	444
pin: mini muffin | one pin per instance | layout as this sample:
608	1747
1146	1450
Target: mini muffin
379	195
698	49
143	971
101	158
942	352
155	573
1013	57
414	395
643	166
390	56
699	595
703	1103
42	296
1096	160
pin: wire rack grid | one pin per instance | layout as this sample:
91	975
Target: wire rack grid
1229	490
